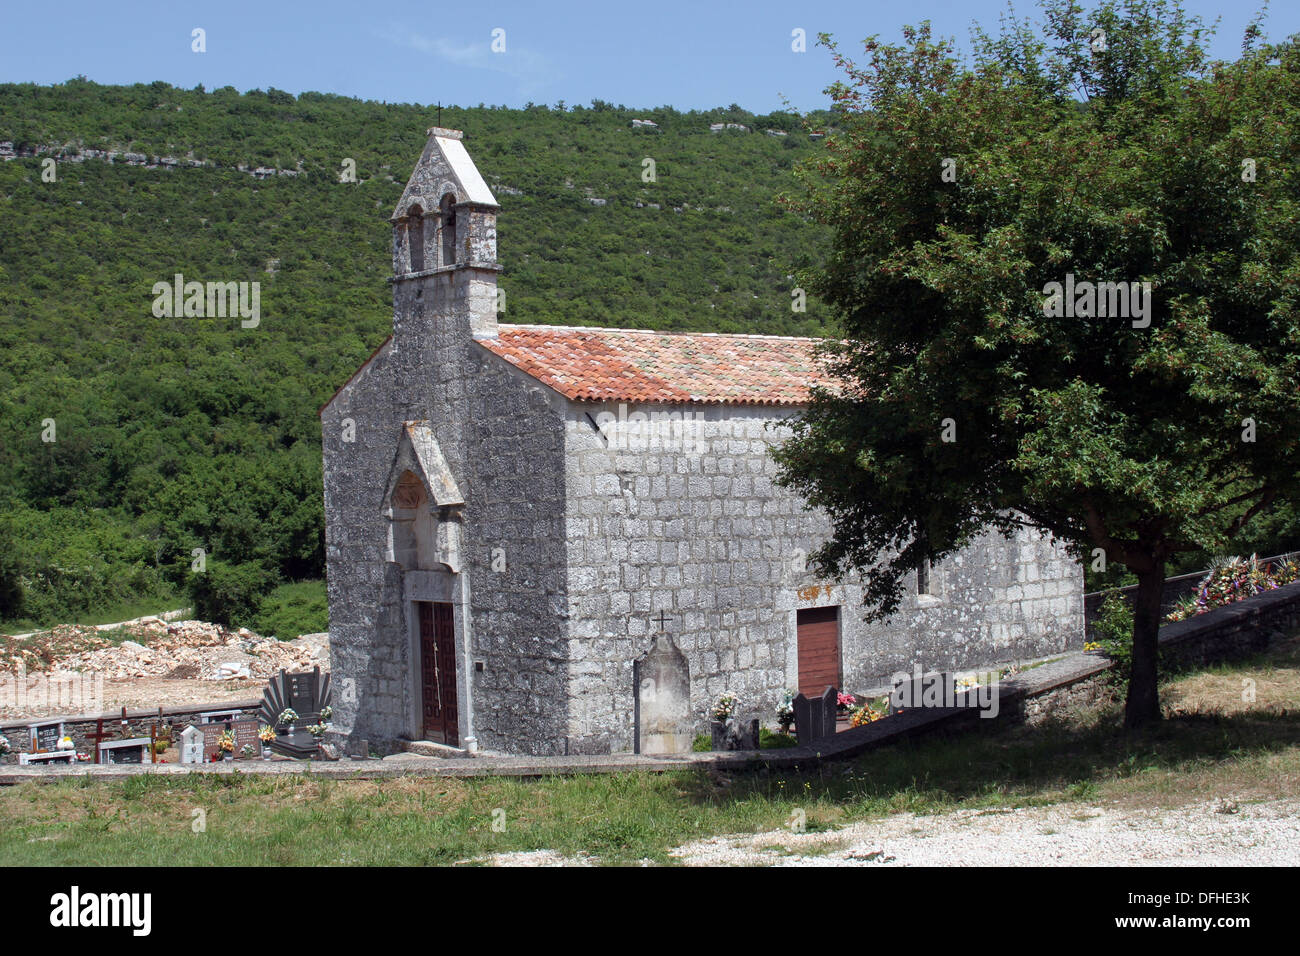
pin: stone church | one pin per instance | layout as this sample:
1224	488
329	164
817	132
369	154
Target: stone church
514	511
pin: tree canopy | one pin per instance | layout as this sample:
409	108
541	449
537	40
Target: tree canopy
996	226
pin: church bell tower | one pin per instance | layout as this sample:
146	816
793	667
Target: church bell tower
444	250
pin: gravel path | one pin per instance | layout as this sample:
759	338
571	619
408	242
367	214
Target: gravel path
1216	833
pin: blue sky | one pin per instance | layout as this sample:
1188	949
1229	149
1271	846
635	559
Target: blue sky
667	52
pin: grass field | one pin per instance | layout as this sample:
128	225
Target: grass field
1213	744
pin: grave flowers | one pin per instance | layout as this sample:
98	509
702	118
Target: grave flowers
288	717
866	714
266	735
4	745
844	701
226	745
785	710
247	751
723	712
726	707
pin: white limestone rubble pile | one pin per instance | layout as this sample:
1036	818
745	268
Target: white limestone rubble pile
196	649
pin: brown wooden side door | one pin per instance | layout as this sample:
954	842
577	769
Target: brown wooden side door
819	650
438	673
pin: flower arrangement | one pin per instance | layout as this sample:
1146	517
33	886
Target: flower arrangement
226	742
318	730
288	717
726	707
247	751
326	713
866	714
1232	579
785	709
844	701
4	745
266	734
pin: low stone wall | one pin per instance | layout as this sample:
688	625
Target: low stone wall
81	726
1227	633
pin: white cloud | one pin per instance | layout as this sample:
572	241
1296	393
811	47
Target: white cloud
532	70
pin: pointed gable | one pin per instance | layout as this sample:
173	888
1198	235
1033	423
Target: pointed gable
418	453
444	168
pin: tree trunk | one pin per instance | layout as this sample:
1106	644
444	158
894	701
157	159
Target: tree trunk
1143	705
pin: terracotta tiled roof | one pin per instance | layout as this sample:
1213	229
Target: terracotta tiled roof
588	364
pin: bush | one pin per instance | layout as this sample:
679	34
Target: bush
229	594
702	744
770	741
301	607
1114	630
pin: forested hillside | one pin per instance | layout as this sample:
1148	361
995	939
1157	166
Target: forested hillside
171	434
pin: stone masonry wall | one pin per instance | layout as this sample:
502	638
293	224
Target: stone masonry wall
696	527
515	559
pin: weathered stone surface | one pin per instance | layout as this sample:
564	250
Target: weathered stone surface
663	686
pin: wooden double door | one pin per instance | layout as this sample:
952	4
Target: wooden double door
441	716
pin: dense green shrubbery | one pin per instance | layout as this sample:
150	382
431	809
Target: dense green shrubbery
175	434
229	594
293	609
1114	632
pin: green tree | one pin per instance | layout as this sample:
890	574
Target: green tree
971	398
11	570
229	594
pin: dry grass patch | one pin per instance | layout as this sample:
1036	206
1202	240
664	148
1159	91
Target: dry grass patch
1273	680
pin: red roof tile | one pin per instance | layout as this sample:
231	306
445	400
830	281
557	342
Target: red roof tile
588	364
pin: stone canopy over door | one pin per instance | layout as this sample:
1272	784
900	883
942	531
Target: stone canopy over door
819	649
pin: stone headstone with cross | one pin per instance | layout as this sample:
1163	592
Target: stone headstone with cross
662	687
191	745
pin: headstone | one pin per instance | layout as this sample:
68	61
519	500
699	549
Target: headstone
306	693
662	692
246	734
192	745
134	750
45	737
814	717
741	734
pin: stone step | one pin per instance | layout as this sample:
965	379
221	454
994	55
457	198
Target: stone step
430	748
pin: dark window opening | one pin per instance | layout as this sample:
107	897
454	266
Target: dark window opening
415	238
447	210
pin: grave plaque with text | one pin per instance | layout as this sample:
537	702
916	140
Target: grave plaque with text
45	737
